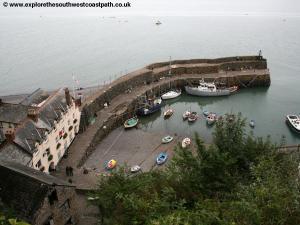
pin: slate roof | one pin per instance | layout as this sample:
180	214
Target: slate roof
35	97
12	152
13	113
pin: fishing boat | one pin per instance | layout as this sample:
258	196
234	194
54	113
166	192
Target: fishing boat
168	113
185	142
171	94
252	123
209	89
158	22
150	107
161	158
167	139
294	122
193	117
211	118
206	113
135	169
132	122
186	114
111	164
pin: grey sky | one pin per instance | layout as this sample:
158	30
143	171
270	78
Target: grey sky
169	7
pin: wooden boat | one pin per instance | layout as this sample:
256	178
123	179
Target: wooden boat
135	169
185	142
193	117
211	118
252	123
111	164
167	139
150	107
294	122
171	94
186	114
161	158
168	113
132	122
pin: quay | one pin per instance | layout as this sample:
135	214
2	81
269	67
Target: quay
124	94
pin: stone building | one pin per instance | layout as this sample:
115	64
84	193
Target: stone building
39	130
36	197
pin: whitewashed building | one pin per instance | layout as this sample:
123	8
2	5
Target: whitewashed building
41	137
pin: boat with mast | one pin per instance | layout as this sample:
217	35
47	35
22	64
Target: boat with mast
149	107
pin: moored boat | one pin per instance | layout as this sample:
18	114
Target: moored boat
252	123
205	113
185	142
171	94
186	114
168	113
132	122
211	118
294	122
193	117
209	89
111	164
167	139
158	22
161	158
135	169
150	107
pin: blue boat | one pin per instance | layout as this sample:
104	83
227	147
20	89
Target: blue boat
150	107
161	158
205	112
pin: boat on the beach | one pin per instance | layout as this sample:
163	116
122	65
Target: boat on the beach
186	114
211	118
149	107
111	164
167	139
161	158
252	123
171	94
193	117
135	169
209	89
132	122
185	142
206	113
168	113
294	122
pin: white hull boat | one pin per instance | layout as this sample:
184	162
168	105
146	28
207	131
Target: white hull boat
186	115
168	113
211	118
185	142
209	89
171	94
294	122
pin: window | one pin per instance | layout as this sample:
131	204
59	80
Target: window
38	164
66	145
57	139
48	151
52	197
59	154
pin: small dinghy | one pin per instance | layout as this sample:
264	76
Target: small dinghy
186	114
185	142
211	118
171	94
193	117
135	169
167	139
294	122
168	113
161	158
132	122
205	113
111	164
252	123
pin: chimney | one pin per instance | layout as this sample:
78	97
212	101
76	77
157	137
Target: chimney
10	135
68	97
32	113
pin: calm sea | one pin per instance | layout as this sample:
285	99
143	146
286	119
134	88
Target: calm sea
46	51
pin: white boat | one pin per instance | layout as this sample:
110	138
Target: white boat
294	122
211	118
168	113
167	139
185	142
209	89
252	124
186	114
193	117
135	169
171	94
